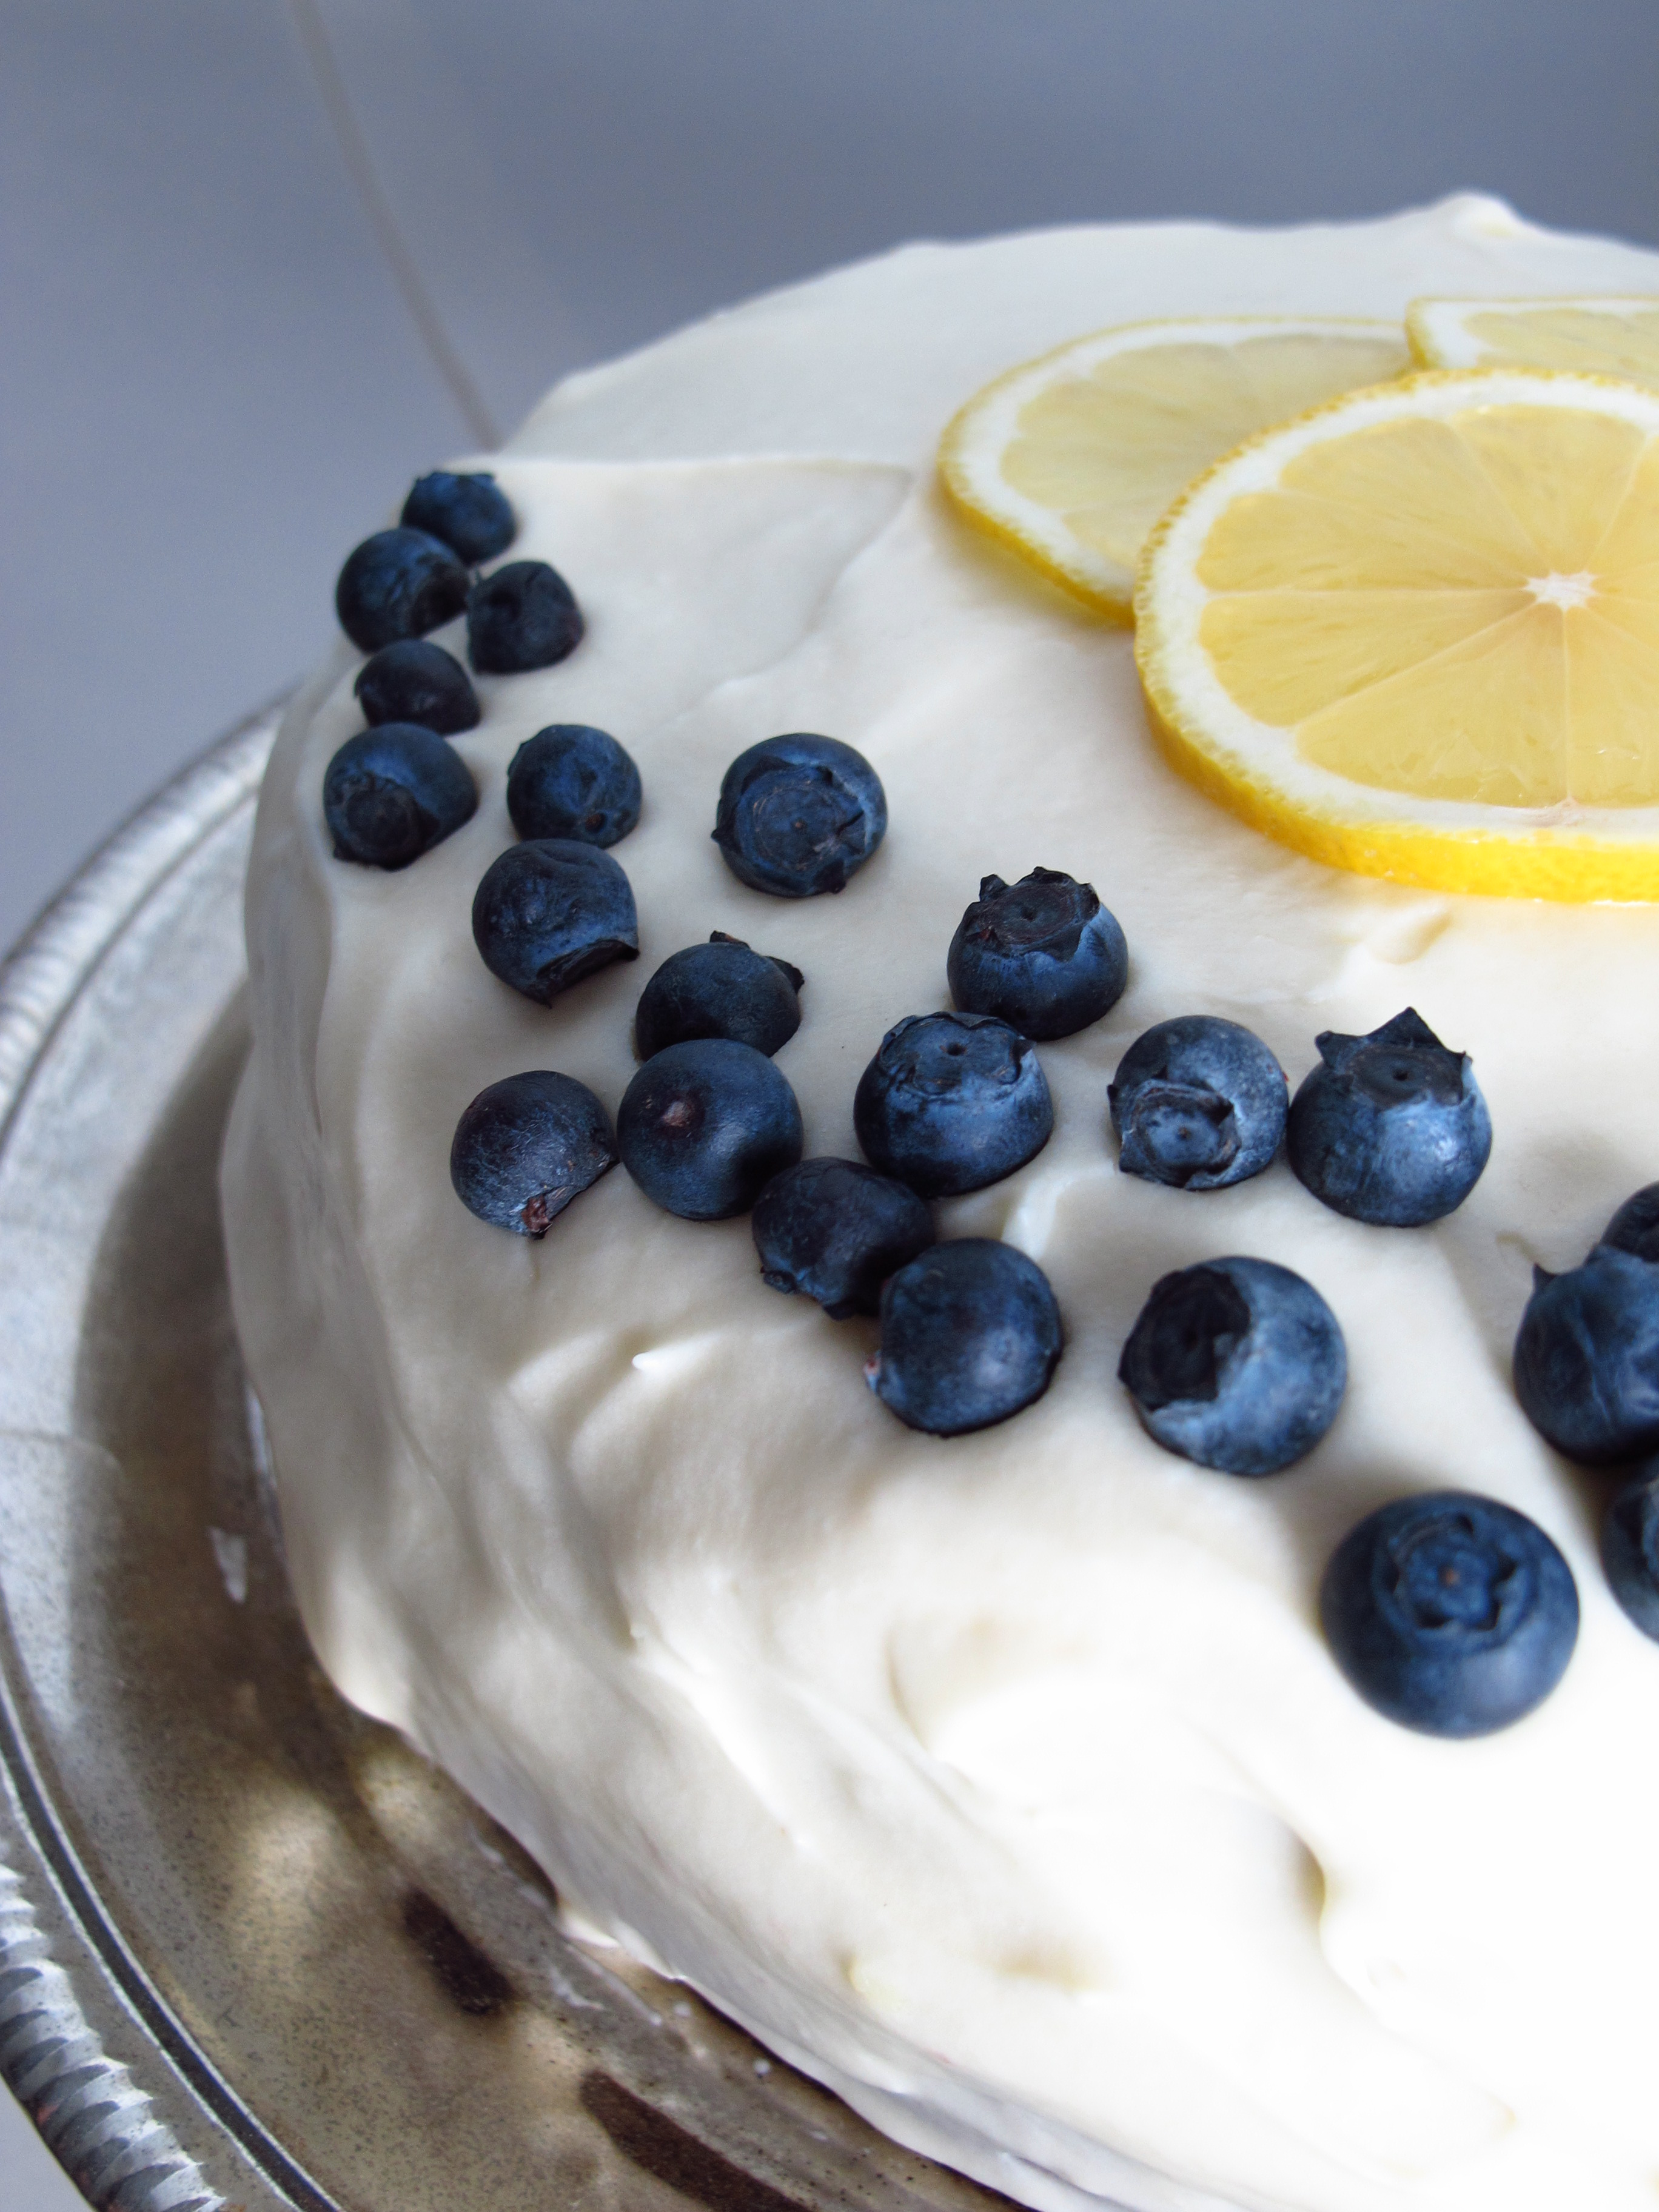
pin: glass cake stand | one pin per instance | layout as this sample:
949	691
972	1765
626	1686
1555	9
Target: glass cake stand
254	1952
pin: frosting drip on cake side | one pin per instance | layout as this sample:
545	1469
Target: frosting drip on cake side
1006	1782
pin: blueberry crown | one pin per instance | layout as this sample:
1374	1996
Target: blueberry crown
1400	1063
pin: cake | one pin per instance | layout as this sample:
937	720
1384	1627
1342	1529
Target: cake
1002	1782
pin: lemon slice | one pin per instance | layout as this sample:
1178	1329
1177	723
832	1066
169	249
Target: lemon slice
1072	459
1416	634
1606	337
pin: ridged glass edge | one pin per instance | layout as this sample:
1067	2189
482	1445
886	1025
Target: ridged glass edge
102	2127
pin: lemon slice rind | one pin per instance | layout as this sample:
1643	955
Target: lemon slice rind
1537	332
1568	852
981	432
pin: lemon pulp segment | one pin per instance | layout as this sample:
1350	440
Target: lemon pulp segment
1072	458
1417	633
1606	337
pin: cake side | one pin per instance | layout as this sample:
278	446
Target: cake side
1005	1783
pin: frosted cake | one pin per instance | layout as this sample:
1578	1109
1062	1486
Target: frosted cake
1003	1782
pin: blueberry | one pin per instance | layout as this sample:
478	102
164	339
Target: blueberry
569	780
398	583
1587	1358
1635	1227
392	794
721	989
519	617
469	513
835	1230
799	814
550	912
526	1146
1041	954
705	1125
1198	1103
415	681
1630	1550
1449	1614
1238	1364
970	1334
952	1102
1390	1128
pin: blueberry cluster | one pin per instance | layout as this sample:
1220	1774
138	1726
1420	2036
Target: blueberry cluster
1448	1612
1389	1128
396	791
709	1127
399	789
1587	1375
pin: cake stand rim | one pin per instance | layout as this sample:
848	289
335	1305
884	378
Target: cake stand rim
118	2088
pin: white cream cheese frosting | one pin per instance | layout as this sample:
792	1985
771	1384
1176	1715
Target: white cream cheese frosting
1005	1784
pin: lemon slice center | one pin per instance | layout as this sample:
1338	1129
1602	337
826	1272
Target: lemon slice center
1462	607
1556	590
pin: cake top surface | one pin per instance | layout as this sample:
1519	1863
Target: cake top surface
870	360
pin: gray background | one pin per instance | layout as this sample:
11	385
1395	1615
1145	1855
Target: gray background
263	261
